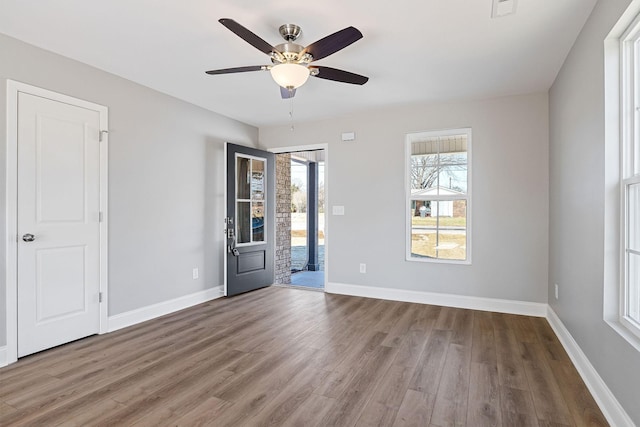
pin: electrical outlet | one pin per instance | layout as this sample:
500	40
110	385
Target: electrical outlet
196	273
363	268
556	287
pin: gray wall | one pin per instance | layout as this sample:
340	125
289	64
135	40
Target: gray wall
166	178
510	196
577	213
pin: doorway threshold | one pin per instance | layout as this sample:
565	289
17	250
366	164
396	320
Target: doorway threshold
304	288
308	279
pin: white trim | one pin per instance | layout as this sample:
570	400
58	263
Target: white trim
466	196
609	405
3	356
293	149
448	300
326	214
13	88
225	240
250	200
104	220
310	147
143	314
11	229
624	332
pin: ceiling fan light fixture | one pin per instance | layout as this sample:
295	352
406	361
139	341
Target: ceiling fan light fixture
290	76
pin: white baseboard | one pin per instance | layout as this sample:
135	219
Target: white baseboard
448	300
609	405
143	314
3	356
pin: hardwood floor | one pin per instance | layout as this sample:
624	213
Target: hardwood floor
288	357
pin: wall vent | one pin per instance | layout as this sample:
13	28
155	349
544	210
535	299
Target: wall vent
503	8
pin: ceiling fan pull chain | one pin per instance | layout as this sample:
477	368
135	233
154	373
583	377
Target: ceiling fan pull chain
291	113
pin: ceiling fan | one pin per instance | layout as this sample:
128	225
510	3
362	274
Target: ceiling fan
290	61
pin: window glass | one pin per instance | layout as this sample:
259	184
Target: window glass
439	163
438	195
439	229
636	77
633	297
257	179
634	217
633	253
257	222
250	199
634	291
242	171
244	222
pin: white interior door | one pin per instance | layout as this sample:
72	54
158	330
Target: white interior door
58	223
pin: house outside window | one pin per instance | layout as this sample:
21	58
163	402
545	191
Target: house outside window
630	177
438	196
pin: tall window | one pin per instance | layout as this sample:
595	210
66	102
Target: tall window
438	196
630	177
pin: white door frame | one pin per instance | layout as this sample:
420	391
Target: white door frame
11	286
311	147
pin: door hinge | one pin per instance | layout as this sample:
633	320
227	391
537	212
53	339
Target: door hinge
100	217
99	296
100	135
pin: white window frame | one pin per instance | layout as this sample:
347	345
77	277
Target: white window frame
630	158
466	197
250	200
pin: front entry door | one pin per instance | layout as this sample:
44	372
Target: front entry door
250	221
58	223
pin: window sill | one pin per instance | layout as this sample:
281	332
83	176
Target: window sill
438	261
625	333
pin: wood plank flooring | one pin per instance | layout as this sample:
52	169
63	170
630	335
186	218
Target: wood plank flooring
288	357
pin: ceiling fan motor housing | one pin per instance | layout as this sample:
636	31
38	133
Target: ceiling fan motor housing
290	53
290	32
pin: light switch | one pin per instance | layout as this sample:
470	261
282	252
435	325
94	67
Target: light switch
338	210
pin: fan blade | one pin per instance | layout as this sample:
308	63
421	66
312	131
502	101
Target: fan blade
333	43
237	69
329	73
247	35
287	93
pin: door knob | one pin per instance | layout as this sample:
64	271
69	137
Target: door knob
28	237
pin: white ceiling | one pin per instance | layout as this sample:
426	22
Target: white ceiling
413	50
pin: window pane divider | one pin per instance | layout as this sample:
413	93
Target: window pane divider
443	198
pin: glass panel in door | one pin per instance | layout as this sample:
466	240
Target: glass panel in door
243	178
250	199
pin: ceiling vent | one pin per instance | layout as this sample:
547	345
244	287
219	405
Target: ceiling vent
503	8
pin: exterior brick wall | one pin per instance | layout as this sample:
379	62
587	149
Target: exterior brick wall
283	219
